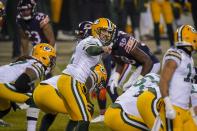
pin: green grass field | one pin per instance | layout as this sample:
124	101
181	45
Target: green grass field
64	50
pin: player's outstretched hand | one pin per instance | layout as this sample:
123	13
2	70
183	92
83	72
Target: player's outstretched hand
107	49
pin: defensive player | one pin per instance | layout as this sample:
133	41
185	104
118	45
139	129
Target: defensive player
18	78
33	25
176	77
56	105
126	49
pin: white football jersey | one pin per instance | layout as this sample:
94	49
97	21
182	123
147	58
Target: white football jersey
81	63
53	81
10	73
194	95
181	82
128	100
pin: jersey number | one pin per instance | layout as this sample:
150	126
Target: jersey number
34	36
188	78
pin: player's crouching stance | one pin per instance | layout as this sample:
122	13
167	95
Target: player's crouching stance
71	84
176	78
137	108
48	99
17	79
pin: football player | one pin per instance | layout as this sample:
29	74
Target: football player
83	30
176	77
163	7
126	49
56	105
137	108
71	84
17	79
33	25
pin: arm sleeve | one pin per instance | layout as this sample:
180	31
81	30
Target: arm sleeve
94	50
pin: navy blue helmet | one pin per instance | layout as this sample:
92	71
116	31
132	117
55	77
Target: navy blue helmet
26	9
84	29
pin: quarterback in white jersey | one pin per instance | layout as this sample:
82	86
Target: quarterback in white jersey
131	110
81	64
71	84
18	78
176	77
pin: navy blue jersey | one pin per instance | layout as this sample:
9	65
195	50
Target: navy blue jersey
33	27
124	44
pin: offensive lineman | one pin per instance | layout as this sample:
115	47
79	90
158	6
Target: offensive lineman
127	113
19	77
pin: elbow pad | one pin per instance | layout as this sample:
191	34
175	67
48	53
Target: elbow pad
22	83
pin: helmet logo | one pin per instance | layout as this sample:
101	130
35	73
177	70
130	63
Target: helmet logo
193	30
96	21
102	69
87	26
47	49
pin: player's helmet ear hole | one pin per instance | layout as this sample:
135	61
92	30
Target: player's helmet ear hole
194	41
44	58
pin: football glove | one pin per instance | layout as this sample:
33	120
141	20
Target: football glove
170	112
114	81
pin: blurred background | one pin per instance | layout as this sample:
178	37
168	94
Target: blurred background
132	16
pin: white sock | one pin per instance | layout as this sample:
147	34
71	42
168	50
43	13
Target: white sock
31	125
32	116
